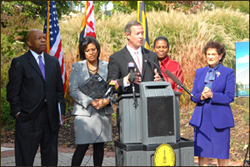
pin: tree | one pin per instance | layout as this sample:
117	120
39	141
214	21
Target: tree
35	9
185	6
243	6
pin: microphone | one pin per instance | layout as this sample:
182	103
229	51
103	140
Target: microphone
113	85
178	82
131	67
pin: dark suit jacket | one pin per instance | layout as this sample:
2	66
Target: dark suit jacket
27	89
118	68
223	89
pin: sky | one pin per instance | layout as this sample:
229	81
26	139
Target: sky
242	56
109	6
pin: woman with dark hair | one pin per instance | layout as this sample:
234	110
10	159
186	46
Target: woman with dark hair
92	116
161	48
213	88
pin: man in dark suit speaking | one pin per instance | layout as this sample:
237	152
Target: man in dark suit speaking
34	91
135	53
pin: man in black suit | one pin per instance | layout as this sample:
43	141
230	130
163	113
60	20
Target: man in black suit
145	69
34	90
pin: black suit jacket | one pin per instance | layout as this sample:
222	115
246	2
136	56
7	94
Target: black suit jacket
118	68
27	89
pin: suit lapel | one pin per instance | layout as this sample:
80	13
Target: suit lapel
127	55
217	77
144	61
102	70
85	71
202	79
34	64
47	65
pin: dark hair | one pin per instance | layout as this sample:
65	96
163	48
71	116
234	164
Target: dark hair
129	25
84	43
216	45
161	38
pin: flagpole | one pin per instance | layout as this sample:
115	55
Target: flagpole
47	36
86	10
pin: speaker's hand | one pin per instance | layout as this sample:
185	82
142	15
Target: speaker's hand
157	77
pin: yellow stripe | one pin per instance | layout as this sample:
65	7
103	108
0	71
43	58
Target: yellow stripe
146	45
143	22
48	35
138	10
86	10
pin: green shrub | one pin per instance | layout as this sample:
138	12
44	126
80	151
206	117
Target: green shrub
14	31
6	119
187	34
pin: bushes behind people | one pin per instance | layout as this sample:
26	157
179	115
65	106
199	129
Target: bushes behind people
187	33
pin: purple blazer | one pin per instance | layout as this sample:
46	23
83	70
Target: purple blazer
223	89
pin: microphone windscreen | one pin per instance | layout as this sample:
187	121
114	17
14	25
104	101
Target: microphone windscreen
131	64
174	78
114	83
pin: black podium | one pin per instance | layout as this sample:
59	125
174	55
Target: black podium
154	122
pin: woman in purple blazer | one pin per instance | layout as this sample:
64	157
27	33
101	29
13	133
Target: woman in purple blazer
213	88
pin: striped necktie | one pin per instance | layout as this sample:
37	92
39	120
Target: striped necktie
41	66
138	61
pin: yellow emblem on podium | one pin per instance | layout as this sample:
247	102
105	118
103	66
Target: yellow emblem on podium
164	155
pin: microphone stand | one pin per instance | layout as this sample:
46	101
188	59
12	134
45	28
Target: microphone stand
135	100
187	91
131	80
174	78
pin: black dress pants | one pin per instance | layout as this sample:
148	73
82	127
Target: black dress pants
29	134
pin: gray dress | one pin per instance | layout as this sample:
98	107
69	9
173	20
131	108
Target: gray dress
91	125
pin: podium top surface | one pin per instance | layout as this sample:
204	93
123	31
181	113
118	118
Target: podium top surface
130	95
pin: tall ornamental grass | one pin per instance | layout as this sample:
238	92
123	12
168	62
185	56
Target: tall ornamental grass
187	35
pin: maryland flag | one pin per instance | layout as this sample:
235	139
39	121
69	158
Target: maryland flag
88	24
142	18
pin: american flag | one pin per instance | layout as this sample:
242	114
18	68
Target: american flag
53	38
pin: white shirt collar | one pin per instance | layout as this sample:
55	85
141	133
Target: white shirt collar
132	51
36	56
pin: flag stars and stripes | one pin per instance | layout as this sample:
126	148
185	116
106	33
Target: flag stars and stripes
55	38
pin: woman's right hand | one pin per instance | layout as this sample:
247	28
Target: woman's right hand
94	103
206	93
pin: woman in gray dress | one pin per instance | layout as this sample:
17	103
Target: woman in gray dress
92	116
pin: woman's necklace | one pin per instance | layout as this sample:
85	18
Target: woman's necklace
93	71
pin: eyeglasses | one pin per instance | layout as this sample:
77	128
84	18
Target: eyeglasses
212	55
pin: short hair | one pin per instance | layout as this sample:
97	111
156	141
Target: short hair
84	43
216	45
129	25
30	33
161	38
